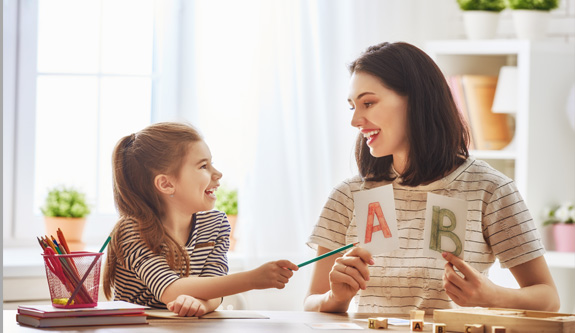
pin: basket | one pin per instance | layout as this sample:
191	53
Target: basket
74	276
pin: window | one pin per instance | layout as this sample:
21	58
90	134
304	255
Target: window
86	76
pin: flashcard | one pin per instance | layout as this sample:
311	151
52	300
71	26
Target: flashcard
376	220
445	225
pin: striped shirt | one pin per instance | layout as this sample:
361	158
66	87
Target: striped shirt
143	276
499	225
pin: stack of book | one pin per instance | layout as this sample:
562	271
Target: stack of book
106	313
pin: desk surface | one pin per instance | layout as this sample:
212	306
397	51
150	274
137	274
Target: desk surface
279	321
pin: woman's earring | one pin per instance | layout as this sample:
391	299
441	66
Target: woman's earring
172	195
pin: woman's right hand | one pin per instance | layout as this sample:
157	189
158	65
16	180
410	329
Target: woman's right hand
274	274
349	274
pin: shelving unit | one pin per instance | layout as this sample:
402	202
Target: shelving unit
542	158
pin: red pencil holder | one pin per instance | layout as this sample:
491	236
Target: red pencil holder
74	279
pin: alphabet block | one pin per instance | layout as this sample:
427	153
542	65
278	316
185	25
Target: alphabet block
417	325
376	323
439	328
498	329
474	328
416	314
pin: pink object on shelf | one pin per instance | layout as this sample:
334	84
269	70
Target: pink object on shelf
564	236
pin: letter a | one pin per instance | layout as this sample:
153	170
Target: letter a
438	230
375	208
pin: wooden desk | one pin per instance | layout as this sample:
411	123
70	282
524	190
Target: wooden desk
279	321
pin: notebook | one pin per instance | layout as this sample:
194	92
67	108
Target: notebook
101	320
103	308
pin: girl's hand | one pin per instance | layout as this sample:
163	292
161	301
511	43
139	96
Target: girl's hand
349	274
274	274
471	289
187	306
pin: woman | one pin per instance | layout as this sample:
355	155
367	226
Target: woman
413	137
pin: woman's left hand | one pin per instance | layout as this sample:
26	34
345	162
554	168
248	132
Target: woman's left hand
187	306
471	289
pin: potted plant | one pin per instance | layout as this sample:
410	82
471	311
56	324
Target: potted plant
481	17
531	17
227	202
66	208
562	218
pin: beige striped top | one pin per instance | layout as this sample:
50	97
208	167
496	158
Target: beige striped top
498	225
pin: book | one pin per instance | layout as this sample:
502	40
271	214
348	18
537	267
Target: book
126	319
218	314
490	131
103	308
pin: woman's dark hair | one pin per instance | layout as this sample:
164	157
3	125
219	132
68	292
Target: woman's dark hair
438	136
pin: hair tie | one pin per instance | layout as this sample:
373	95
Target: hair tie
131	140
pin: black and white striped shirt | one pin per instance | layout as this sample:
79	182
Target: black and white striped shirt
143	276
498	225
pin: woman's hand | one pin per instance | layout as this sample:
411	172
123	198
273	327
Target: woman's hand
471	289
274	274
188	306
349	274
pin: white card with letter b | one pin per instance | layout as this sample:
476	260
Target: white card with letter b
445	225
376	220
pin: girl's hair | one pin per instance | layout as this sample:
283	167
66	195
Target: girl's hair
137	159
438	136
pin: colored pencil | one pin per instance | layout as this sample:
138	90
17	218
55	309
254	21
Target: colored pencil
343	248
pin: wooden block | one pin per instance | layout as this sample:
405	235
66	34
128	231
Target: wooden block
439	328
498	329
416	314
474	328
417	325
376	323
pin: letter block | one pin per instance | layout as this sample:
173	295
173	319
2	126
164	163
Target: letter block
439	328
474	328
376	323
417	325
498	329
416	314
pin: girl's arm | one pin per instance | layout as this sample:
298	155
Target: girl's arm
273	274
336	279
537	290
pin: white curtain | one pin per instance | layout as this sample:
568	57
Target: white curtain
267	82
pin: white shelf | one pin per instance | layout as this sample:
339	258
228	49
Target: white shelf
560	259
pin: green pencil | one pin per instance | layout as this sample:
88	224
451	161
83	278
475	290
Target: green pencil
327	254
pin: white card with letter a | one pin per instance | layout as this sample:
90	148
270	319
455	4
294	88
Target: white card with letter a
445	225
376	220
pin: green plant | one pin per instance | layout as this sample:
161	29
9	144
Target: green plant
65	202
533	4
227	200
486	5
564	213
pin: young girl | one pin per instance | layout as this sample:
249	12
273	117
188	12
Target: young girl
169	247
412	136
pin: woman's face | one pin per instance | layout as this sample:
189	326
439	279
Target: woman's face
381	116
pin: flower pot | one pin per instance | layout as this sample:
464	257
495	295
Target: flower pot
480	24
232	219
531	24
564	236
72	228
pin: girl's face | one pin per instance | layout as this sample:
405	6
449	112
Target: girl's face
198	180
381	116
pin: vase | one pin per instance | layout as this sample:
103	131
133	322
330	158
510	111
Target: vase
564	237
480	24
72	228
531	24
232	219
